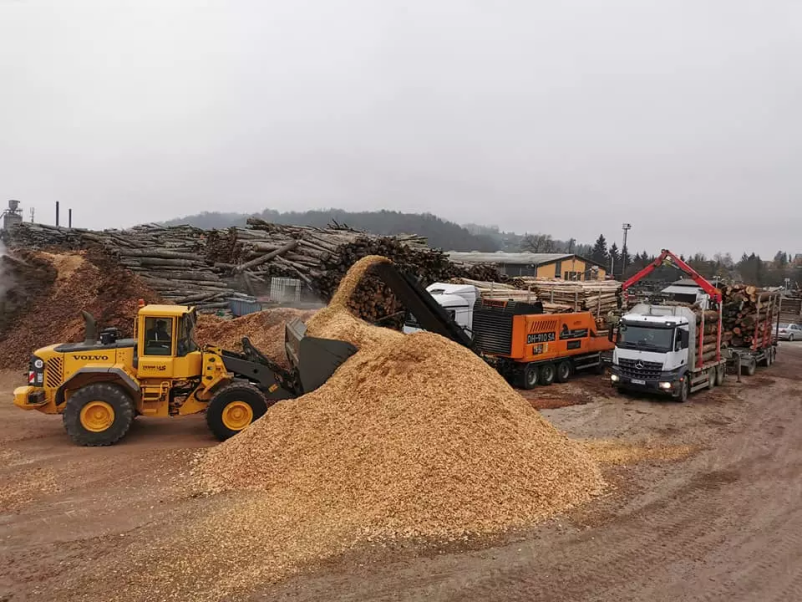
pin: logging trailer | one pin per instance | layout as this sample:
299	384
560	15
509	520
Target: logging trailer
676	349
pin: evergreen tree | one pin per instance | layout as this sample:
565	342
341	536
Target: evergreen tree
615	258
626	262
599	252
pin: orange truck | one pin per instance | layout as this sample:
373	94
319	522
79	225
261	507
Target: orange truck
531	348
528	347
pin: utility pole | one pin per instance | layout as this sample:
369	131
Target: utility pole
624	252
32	214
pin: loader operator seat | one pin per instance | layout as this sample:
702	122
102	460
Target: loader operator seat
158	339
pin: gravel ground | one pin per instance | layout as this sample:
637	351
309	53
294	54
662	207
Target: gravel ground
705	505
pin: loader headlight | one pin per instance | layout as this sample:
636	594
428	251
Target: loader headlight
665	386
615	378
38	364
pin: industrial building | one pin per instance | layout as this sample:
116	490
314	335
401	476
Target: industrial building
567	266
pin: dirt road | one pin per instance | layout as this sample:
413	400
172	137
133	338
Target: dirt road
721	524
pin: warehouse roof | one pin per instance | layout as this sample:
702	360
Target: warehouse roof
501	257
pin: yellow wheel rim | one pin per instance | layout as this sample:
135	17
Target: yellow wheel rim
97	416
237	415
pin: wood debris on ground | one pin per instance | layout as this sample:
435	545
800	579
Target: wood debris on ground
618	452
413	438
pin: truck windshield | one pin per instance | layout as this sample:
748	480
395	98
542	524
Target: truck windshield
646	337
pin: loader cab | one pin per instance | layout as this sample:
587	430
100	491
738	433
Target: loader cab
166	346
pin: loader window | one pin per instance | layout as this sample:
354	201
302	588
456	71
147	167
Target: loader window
158	336
186	336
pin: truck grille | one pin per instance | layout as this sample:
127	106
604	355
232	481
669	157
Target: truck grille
640	369
54	372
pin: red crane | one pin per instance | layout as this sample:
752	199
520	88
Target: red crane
668	258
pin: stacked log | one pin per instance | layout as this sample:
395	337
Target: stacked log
749	315
497	291
189	265
708	349
599	297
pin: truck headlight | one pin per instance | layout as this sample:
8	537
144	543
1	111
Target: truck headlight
665	386
614	378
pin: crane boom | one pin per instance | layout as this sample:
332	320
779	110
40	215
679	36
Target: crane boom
667	257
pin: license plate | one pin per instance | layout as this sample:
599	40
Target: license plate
636	381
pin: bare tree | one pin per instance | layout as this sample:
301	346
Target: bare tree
538	243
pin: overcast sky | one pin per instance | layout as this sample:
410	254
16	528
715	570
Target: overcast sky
683	118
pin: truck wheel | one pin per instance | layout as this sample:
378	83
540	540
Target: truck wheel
563	371
531	374
98	414
721	372
547	374
233	408
750	368
711	378
684	391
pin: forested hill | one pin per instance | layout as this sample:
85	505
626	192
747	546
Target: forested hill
440	233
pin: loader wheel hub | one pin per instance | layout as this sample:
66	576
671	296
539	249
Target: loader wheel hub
237	415
97	416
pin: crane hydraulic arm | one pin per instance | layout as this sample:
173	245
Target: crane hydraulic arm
668	258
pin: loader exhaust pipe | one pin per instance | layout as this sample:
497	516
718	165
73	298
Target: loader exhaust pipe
90	336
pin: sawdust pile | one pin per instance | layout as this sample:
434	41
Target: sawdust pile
414	438
265	329
620	453
65	284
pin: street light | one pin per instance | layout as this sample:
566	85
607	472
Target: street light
624	253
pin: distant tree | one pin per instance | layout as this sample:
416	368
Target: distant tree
615	257
599	252
781	259
538	243
626	262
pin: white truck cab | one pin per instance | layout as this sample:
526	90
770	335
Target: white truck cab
655	349
458	301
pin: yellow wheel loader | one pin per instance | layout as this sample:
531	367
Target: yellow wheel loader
100	385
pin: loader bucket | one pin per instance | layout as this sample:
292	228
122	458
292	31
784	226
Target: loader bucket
314	359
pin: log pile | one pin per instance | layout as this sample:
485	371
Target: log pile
707	350
189	265
749	315
508	292
599	297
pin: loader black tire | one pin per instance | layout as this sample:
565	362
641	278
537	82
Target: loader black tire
92	407
564	370
233	408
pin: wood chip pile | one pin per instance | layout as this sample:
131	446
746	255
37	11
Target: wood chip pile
63	285
265	329
749	315
188	265
413	437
